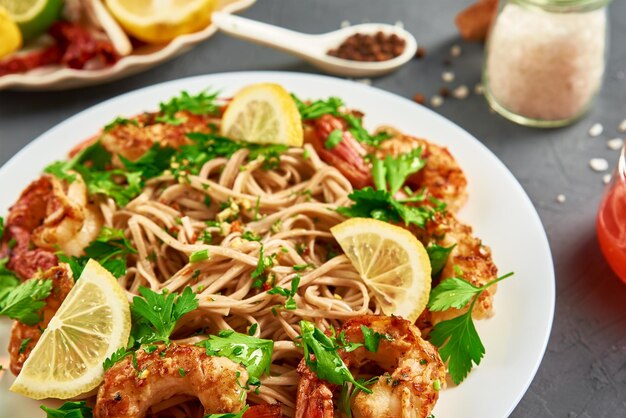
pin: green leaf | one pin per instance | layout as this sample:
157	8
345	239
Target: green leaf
327	364
401	167
119	121
263	264
203	103
313	110
361	134
438	256
229	415
24	301
23	345
255	354
199	256
151	164
458	343
8	279
250	236
290	303
117	356
69	410
452	293
1	227
156	314
371	339
370	203
334	139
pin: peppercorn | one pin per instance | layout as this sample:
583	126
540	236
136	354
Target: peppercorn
369	48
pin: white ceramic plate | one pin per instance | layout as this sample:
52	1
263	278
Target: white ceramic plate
145	57
498	209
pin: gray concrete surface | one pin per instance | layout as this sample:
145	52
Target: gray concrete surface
583	373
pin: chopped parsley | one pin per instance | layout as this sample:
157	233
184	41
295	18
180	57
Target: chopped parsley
229	414
334	139
117	356
23	345
24	301
199	256
290	303
8	279
361	134
457	340
203	103
438	256
317	108
119	121
250	236
371	338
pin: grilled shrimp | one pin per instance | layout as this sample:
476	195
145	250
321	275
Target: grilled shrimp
54	216
442	176
406	389
347	156
129	391
132	138
62	283
264	411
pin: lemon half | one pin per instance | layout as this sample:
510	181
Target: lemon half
91	323
391	261
32	16
263	113
160	21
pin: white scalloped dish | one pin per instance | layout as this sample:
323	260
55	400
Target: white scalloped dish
143	58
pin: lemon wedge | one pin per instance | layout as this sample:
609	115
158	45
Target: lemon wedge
160	21
91	323
32	16
9	33
263	113
391	261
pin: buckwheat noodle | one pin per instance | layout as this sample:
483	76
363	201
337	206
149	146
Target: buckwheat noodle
292	208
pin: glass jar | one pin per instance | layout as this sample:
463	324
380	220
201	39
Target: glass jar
545	59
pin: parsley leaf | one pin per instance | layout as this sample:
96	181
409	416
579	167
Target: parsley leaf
314	110
155	315
270	153
23	345
394	171
438	256
24	301
456	339
361	134
250	236
118	355
229	414
203	103
119	121
334	139
152	163
255	354
8	279
371	339
69	410
264	263
327	364
290	303
1	227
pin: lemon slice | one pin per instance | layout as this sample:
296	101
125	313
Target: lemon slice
9	33
159	21
32	16
263	113
91	323
392	262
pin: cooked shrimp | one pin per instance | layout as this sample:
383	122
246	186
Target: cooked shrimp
62	283
442	176
128	392
407	389
264	411
347	156
134	138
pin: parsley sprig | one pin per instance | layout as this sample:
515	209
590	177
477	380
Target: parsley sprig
24	301
203	103
457	340
290	303
327	363
8	279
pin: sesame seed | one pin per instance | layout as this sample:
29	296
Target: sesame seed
615	143
622	126
560	198
447	76
436	101
596	129
606	179
345	23
455	51
479	89
598	164
460	92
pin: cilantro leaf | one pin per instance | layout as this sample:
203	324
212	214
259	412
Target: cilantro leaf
24	301
438	256
456	339
255	354
229	414
313	110
327	363
69	410
156	314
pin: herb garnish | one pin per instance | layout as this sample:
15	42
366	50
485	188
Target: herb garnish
229	414
334	139
457	341
23	302
200	104
69	410
290	303
438	256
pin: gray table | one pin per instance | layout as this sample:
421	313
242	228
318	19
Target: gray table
583	373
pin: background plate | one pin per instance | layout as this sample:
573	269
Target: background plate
145	57
498	209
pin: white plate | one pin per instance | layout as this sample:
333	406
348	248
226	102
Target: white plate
145	57
498	209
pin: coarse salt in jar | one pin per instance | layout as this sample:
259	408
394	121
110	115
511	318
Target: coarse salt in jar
545	59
